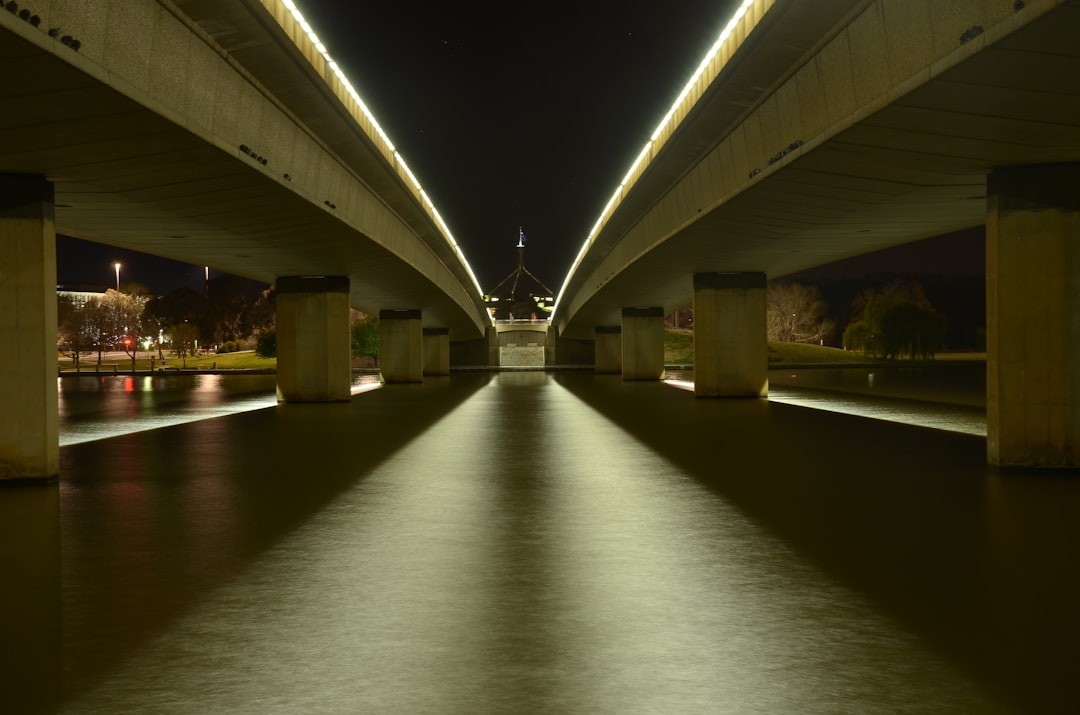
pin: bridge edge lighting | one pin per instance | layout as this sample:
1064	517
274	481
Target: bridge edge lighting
399	162
669	121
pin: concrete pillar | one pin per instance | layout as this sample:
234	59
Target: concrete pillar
313	342
436	351
551	342
29	422
401	346
642	343
608	341
493	346
1033	316
731	349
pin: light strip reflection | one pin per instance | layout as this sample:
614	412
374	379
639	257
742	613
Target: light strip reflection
88	431
910	412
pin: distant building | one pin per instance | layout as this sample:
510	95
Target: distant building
513	302
80	293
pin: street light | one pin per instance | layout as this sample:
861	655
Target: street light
117	267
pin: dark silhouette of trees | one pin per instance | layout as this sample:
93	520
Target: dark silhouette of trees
266	343
895	322
182	306
236	309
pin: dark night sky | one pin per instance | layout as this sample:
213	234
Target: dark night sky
523	113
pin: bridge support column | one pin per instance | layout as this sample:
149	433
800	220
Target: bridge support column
1033	317
29	422
608	342
642	343
313	340
550	345
436	351
731	349
401	346
493	346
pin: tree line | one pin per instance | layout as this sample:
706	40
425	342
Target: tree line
231	314
227	316
895	320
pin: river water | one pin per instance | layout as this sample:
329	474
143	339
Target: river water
534	542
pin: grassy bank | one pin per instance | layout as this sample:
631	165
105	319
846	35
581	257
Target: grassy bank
679	350
242	360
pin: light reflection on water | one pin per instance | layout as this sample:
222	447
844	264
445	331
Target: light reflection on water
98	407
523	553
528	542
952	418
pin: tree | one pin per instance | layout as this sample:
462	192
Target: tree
796	313
183	337
266	344
121	318
895	322
232	303
74	335
176	307
365	336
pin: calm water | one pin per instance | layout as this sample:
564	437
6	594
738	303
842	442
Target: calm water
538	543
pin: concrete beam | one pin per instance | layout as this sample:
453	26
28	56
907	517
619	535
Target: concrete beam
29	420
642	343
1033	317
731	350
313	340
401	346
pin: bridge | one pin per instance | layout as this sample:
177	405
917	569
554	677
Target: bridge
817	131
222	133
219	134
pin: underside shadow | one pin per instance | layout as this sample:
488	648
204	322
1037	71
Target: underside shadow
151	522
983	566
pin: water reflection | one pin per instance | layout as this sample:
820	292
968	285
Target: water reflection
567	543
952	418
96	407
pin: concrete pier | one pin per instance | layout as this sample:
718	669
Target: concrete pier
1033	316
29	437
436	351
313	341
643	343
608	349
401	346
731	350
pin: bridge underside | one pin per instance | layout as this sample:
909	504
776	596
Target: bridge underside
196	164
905	168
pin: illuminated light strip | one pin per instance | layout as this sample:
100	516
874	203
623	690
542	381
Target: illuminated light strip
653	142
334	67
